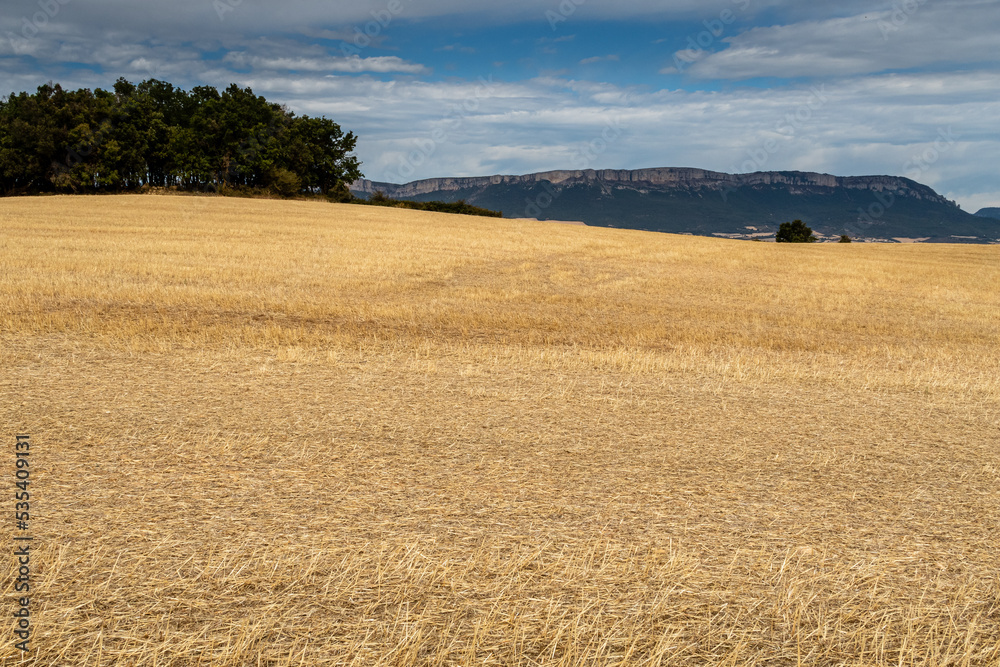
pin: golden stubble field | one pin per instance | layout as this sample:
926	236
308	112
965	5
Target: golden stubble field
273	433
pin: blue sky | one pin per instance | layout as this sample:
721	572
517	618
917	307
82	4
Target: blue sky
447	88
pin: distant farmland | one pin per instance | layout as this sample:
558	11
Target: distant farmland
291	433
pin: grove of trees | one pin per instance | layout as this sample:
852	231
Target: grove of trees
156	135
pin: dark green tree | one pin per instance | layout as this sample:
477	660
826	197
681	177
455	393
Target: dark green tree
844	238
32	140
153	134
319	151
795	232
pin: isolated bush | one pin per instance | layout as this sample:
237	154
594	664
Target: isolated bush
795	232
379	199
65	181
285	183
844	238
340	194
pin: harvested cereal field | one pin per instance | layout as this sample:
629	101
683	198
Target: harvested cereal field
290	433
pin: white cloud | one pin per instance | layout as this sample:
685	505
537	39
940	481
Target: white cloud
976	202
211	19
354	64
458	48
849	127
865	123
953	32
599	59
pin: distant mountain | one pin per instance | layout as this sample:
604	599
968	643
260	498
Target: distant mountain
989	213
695	201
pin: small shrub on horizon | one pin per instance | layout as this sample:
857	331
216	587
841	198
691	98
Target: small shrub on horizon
285	183
795	232
340	194
378	198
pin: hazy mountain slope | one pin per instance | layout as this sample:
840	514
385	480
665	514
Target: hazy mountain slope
703	202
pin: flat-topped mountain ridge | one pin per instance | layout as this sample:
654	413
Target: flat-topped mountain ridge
677	177
700	201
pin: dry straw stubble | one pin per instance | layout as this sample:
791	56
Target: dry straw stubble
277	433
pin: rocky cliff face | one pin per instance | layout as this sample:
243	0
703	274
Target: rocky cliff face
663	179
697	201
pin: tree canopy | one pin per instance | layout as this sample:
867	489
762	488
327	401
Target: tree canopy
795	232
154	134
